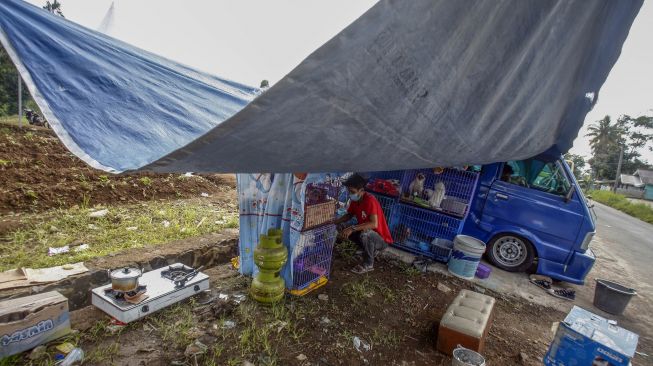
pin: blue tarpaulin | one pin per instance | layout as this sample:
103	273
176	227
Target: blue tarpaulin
410	84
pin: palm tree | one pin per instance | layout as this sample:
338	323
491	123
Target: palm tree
605	139
53	7
603	134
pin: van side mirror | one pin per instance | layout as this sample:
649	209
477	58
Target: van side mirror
569	194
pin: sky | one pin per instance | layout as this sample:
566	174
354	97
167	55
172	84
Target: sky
251	40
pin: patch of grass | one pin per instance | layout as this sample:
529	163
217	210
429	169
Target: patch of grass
409	270
156	223
359	290
146	181
14	360
13	120
347	249
641	211
4	162
386	338
31	194
104	179
103	354
176	324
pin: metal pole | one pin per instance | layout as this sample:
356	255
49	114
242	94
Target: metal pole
616	179
20	102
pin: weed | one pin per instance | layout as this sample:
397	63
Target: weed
5	162
104	179
409	270
346	336
29	136
86	201
176	324
146	181
387	338
31	195
358	290
217	350
102	354
347	249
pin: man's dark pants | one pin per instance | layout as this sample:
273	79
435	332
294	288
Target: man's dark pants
370	242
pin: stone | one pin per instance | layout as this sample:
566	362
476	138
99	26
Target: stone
523	358
247	363
100	213
442	287
195	348
323	297
37	352
301	357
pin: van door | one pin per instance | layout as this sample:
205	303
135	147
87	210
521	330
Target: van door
529	199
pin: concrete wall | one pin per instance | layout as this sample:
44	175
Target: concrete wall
631	192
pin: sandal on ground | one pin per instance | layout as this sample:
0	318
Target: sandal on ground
360	269
542	282
563	293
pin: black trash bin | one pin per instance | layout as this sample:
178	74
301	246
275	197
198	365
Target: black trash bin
612	297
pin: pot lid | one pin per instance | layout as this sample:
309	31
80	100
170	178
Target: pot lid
125	273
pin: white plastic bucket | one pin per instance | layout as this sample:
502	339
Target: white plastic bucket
465	256
466	357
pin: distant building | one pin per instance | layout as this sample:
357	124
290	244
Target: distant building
630	181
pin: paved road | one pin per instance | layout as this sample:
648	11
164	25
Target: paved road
624	251
628	238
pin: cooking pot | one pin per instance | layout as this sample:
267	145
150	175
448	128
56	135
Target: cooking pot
125	279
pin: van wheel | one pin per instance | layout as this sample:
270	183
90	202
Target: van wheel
511	253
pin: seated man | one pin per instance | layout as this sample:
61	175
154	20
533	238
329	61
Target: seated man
507	176
371	232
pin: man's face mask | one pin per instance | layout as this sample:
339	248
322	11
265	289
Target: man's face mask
354	195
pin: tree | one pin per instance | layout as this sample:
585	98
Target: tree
9	86
54	7
578	164
264	84
607	139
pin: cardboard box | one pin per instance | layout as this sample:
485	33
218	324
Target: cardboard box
585	338
29	321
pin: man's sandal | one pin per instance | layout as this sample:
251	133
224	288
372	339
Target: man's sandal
542	282
564	293
360	269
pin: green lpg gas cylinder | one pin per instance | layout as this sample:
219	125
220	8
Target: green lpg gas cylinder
270	255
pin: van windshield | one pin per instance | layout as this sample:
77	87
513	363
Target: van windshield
536	174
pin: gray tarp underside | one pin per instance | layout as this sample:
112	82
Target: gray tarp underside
420	83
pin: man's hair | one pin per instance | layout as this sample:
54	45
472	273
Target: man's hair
356	181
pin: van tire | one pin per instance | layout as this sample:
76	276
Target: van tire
511	252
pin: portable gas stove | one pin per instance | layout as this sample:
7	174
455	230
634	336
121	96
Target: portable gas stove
157	289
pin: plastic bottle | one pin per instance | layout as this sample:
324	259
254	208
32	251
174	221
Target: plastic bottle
76	356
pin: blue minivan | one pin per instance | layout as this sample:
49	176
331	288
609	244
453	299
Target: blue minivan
533	212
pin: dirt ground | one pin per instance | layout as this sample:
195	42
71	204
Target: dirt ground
395	309
37	173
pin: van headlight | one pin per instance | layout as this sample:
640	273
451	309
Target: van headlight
586	242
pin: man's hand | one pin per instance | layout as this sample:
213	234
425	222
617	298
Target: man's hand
347	232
